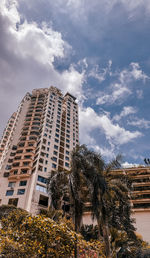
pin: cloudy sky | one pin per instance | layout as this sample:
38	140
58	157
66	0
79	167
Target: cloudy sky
97	50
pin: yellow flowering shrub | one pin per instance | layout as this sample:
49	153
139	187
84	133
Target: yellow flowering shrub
23	235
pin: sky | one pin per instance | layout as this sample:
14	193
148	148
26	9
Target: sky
99	51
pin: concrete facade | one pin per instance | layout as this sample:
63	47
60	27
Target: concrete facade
38	138
140	198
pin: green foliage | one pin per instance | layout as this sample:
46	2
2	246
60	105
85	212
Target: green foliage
89	232
53	214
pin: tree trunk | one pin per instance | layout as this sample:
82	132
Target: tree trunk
106	240
76	230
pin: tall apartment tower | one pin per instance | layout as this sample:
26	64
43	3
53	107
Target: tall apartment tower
38	138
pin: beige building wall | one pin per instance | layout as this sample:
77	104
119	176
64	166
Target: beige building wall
142	225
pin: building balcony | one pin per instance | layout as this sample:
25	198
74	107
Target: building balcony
19	176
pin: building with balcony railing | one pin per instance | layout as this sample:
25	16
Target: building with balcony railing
38	138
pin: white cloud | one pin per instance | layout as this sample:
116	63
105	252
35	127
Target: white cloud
100	74
129	165
128	110
119	93
134	72
42	44
115	135
73	82
140	123
119	90
105	152
139	94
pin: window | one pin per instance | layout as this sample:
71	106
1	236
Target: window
9	192
41	188
26	163
16	164
48	143
14	147
47	125
12	154
53	165
43	200
67	146
40	168
6	174
54	159
47	155
57	135
21	191
46	162
57	125
56	140
8	167
45	169
47	148
27	156
67	152
13	201
24	171
67	141
44	141
23	183
42	179
11	184
55	147
67	158
57	130
55	153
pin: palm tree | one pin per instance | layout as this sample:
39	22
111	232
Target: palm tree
110	200
58	188
70	183
90	175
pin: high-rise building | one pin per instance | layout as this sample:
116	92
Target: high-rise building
38	138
